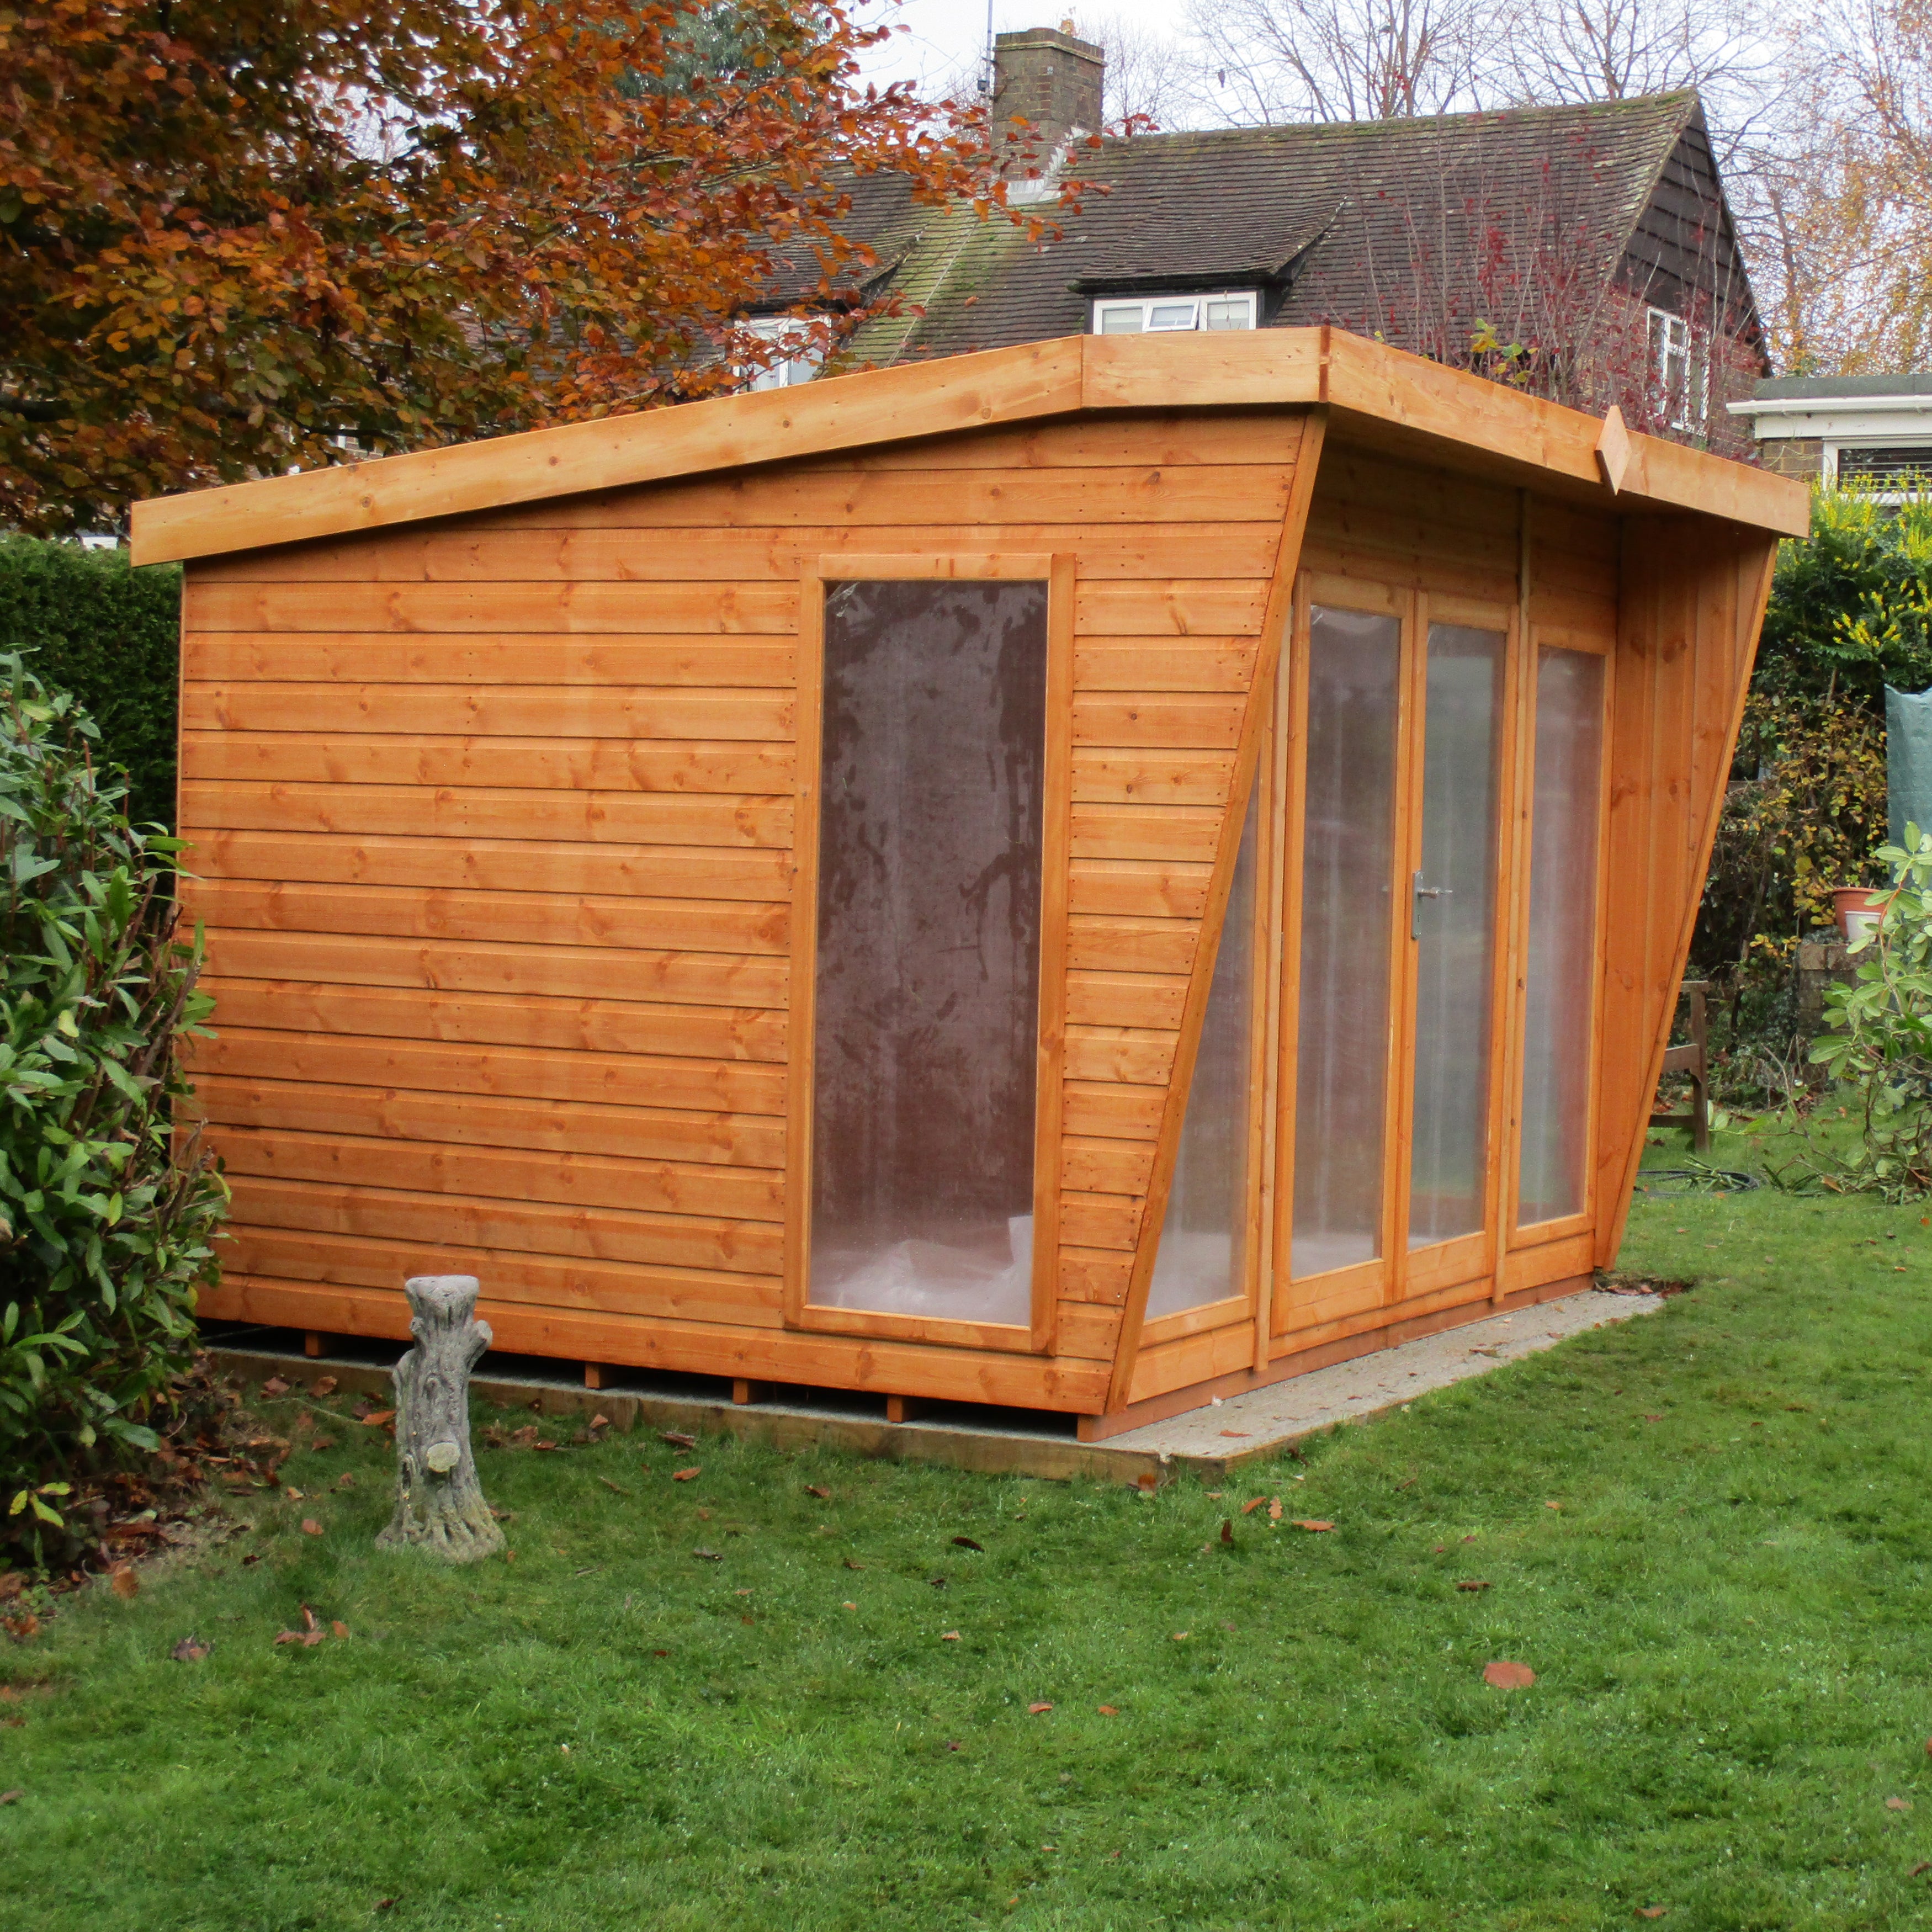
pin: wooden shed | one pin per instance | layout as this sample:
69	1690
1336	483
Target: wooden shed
1087	877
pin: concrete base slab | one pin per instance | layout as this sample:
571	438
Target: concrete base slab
1260	1421
1207	1441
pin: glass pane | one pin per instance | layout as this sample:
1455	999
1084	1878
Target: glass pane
1122	320
928	949
1171	315
1236	313
1560	972
1347	865
1202	1254
1454	916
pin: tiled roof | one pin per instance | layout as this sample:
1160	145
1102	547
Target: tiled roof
1335	222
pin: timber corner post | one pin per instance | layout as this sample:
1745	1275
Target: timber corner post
439	1503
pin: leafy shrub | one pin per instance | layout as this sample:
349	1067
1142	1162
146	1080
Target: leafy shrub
111	637
1878	1044
106	1223
1850	612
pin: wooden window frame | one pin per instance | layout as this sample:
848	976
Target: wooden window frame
1566	1227
1057	572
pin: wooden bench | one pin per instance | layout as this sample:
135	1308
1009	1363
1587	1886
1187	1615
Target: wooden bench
1692	1058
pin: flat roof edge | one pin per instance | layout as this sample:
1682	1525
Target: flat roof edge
1035	381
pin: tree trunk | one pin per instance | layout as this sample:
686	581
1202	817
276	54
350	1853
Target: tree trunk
439	1505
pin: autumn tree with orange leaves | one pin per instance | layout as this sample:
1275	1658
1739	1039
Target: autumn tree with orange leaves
237	236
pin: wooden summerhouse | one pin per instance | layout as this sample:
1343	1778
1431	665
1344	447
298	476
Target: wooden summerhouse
1087	876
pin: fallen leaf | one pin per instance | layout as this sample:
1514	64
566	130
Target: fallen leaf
1107	1710
948	1636
323	1385
686	1475
308	1619
708	1555
612	1487
600	1422
1274	1509
1554	1506
1312	1522
12	1584
310	1527
124	1583
376	1418
1034	1710
274	1385
384	1904
677	1438
23	1627
1898	1804
1249	1509
1923	1865
1505	1676
813	1489
1147	1481
1179	1636
11	1797
1651	1911
1653	1418
966	1542
1236	1432
951	1746
1472	1583
848	1605
190	1650
308	1640
1227	1529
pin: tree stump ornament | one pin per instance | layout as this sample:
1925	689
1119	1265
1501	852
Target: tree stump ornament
439	1505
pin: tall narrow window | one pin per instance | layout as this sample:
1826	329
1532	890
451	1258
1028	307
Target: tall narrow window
1202	1256
1560	972
927	986
1453	916
1348	862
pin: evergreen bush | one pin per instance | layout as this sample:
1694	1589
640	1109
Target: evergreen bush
110	637
107	1216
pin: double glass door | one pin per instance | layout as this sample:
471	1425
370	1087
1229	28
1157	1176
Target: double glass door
1444	826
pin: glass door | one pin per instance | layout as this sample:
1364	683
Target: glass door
1389	1164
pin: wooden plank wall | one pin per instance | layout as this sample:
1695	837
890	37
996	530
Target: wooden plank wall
491	821
1693	598
1382	520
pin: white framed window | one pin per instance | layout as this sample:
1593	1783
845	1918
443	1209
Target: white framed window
1161	315
1681	366
1894	472
800	368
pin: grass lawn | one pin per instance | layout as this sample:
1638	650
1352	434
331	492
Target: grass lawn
1727	1616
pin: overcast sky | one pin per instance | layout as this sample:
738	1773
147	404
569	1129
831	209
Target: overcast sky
934	39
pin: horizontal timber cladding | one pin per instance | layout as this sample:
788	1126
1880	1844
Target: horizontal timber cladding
493	821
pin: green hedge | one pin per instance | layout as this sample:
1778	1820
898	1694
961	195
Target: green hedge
111	635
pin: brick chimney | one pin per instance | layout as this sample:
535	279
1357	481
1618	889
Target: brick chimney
1052	82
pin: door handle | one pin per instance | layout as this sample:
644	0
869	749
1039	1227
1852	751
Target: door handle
1419	892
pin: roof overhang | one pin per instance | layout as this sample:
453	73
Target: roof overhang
1439	414
1782	418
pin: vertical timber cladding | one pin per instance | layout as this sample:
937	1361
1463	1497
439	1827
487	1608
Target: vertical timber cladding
1694	592
492	823
1385	520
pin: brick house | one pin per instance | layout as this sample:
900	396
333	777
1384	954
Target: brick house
1598	235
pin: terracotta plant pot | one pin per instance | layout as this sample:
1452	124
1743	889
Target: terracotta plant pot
1859	909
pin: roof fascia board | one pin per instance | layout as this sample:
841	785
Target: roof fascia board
1458	409
1003	385
1449	408
1786	416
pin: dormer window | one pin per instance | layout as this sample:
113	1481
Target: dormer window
1160	315
787	331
